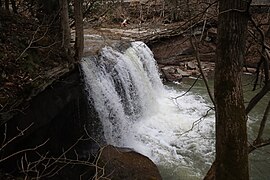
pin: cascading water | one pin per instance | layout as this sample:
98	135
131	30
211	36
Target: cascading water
138	112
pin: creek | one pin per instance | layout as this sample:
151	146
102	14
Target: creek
139	112
259	159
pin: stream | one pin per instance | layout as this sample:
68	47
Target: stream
137	111
260	158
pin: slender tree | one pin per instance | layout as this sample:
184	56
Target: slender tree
79	40
231	130
65	25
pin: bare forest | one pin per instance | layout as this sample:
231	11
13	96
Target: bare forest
43	42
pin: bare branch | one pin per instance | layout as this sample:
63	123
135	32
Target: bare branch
30	43
23	151
34	40
21	133
264	59
195	47
258	145
259	140
254	101
195	123
188	89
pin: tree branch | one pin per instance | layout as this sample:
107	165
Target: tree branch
254	101
195	47
258	145
262	125
188	89
21	133
23	151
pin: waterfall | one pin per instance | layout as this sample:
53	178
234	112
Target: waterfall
137	110
123	86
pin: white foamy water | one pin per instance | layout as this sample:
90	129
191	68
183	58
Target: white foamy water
138	112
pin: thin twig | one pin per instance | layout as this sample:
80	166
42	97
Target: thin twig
195	47
188	89
21	133
23	151
262	125
198	121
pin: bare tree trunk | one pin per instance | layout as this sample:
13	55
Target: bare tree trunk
65	26
231	131
79	41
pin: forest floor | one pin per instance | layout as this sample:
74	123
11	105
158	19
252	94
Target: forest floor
30	59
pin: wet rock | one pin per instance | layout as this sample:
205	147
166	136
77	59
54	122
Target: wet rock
183	73
124	163
171	74
191	66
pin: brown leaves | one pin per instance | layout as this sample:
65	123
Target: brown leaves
27	51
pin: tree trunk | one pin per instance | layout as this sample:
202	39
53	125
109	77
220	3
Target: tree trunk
79	40
231	130
65	26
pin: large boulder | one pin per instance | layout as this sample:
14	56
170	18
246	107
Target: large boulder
170	73
124	163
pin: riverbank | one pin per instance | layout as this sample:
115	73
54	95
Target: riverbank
174	49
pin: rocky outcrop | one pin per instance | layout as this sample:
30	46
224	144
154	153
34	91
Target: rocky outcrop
123	163
52	127
185	69
170	74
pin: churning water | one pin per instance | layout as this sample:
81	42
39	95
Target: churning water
139	112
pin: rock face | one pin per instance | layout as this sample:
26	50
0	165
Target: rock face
124	163
54	121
